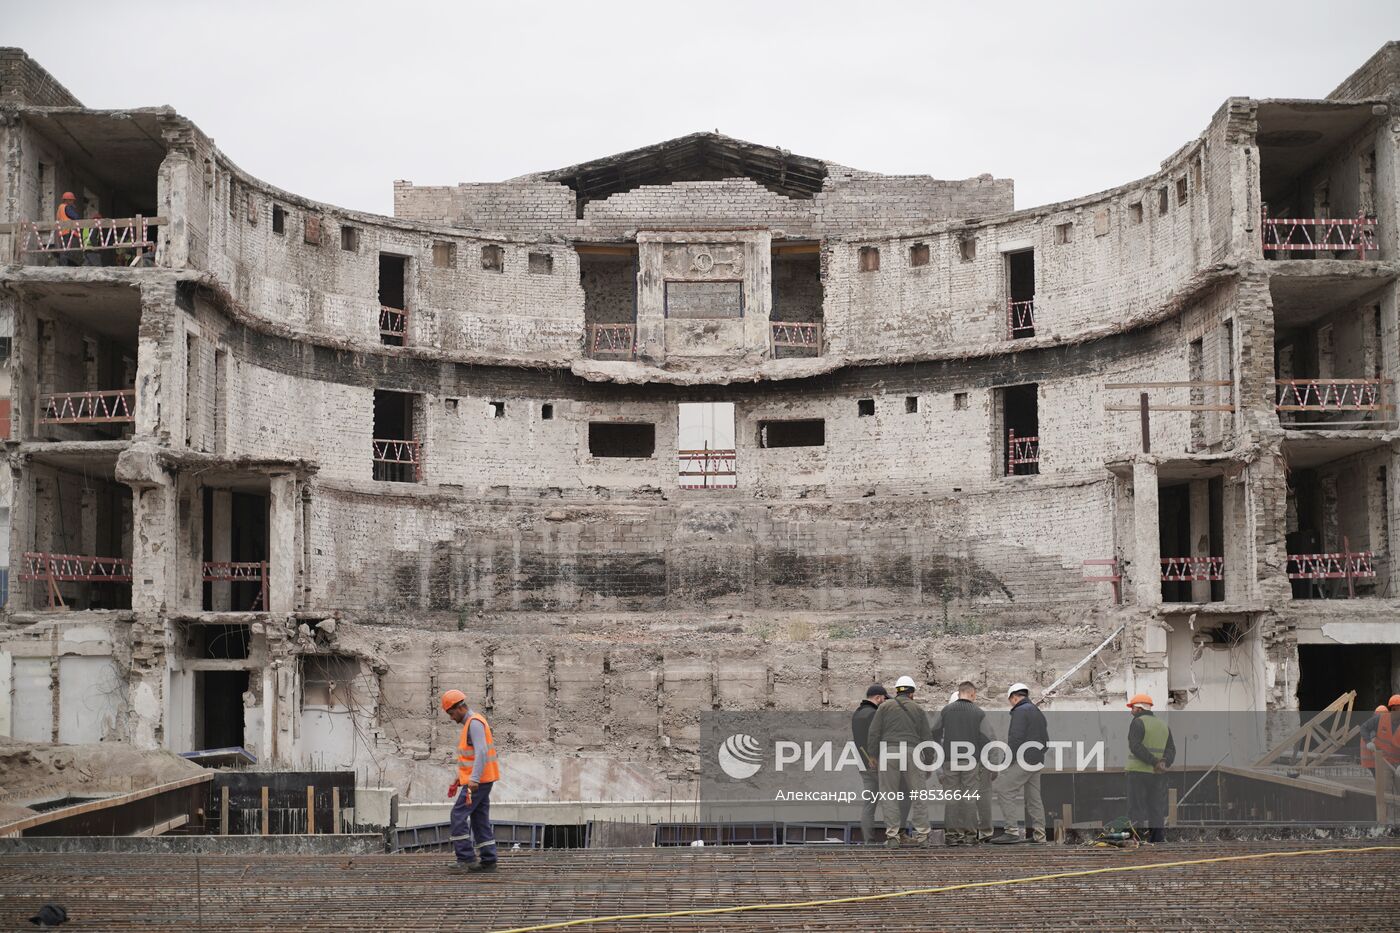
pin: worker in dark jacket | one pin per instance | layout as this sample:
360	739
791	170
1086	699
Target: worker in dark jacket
1018	787
962	729
898	727
870	777
1151	752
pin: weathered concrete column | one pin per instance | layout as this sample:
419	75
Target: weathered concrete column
1147	544
21	531
282	551
1200	534
222	545
155	524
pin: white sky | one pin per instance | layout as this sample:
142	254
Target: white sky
334	101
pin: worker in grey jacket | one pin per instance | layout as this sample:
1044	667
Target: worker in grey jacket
962	729
899	725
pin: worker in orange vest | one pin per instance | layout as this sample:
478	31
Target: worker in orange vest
1368	739
1387	746
65	234
473	837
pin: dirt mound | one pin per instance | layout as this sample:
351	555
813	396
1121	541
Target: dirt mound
30	771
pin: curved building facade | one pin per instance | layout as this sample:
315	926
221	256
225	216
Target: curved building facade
702	426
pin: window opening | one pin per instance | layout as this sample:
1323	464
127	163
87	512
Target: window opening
621	439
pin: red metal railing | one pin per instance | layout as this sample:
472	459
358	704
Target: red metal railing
131	233
1020	319
1021	451
115	406
806	335
393	322
1192	569
1349	565
1287	234
394	458
54	569
612	339
1331	394
239	572
710	465
1113	576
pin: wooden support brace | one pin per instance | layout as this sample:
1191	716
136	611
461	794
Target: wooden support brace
1066	820
264	811
310	809
335	810
223	811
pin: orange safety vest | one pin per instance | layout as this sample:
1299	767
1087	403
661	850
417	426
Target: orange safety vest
466	753
1388	739
1368	757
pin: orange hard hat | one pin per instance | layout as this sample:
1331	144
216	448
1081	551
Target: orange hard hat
69	196
1381	709
1393	701
1141	699
451	698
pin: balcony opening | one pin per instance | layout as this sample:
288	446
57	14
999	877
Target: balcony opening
621	439
1317	202
79	554
112	162
706	456
84	364
1329	359
608	275
1337	522
1190	523
795	321
236	547
1325	672
1018	430
393	300
806	432
398	451
1020	294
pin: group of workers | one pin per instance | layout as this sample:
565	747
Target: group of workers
81	245
894	784
1380	746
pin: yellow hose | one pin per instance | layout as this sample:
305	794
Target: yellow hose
857	899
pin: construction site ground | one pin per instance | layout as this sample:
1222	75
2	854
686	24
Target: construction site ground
1338	886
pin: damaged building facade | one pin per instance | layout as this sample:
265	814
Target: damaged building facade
702	426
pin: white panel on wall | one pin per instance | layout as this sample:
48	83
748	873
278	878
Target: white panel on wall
32	705
89	698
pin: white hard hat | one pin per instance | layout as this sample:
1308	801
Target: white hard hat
1017	688
953	697
905	683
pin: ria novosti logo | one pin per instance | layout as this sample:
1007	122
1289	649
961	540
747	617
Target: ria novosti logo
740	756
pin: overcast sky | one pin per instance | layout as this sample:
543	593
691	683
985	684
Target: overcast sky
336	100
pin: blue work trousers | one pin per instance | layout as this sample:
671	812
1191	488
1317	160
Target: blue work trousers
472	833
